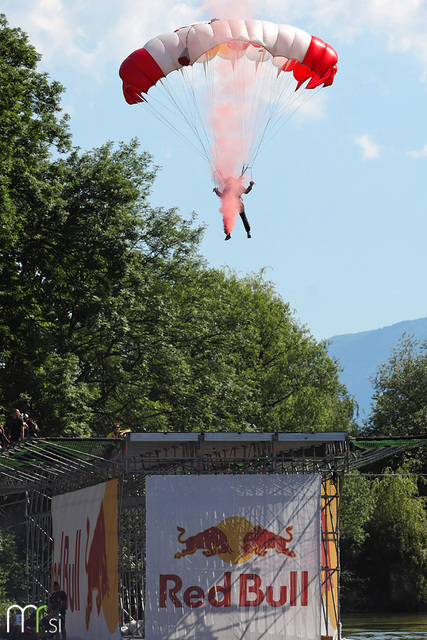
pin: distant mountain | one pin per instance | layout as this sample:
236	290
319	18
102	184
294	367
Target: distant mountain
361	353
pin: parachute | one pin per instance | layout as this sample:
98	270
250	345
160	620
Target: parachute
237	96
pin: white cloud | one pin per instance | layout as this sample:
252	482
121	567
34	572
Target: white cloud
89	36
314	108
400	24
93	35
370	149
422	153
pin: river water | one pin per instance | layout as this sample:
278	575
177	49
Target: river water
385	626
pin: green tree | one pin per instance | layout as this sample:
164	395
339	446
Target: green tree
123	320
12	551
89	270
396	547
357	506
32	127
383	525
401	391
398	541
241	361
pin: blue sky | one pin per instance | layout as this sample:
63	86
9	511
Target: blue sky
338	212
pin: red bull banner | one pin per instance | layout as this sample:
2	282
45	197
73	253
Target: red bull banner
85	560
233	557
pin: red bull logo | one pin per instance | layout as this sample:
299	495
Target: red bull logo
211	542
101	562
87	570
259	540
235	540
96	565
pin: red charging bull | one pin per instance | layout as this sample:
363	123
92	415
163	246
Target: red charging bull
96	565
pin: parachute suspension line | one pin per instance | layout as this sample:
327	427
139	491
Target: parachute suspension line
148	106
238	74
264	100
261	105
157	107
280	120
251	104
184	109
213	89
251	83
285	101
259	100
275	91
239	88
219	94
246	167
210	98
262	89
231	77
198	122
272	94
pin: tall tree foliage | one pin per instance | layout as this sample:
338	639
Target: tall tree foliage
383	542
12	551
398	542
31	126
400	407
401	391
385	561
93	274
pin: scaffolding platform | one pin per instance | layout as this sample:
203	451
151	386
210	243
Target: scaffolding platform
42	468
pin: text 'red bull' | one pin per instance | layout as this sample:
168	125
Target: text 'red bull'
66	570
251	592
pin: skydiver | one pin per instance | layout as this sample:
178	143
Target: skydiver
234	187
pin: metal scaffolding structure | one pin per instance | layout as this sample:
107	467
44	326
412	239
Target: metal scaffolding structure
43	468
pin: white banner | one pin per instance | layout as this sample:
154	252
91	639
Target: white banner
233	556
85	560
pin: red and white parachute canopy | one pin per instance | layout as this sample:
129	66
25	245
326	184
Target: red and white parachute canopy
247	62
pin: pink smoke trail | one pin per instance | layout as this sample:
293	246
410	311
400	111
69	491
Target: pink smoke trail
227	151
228	155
